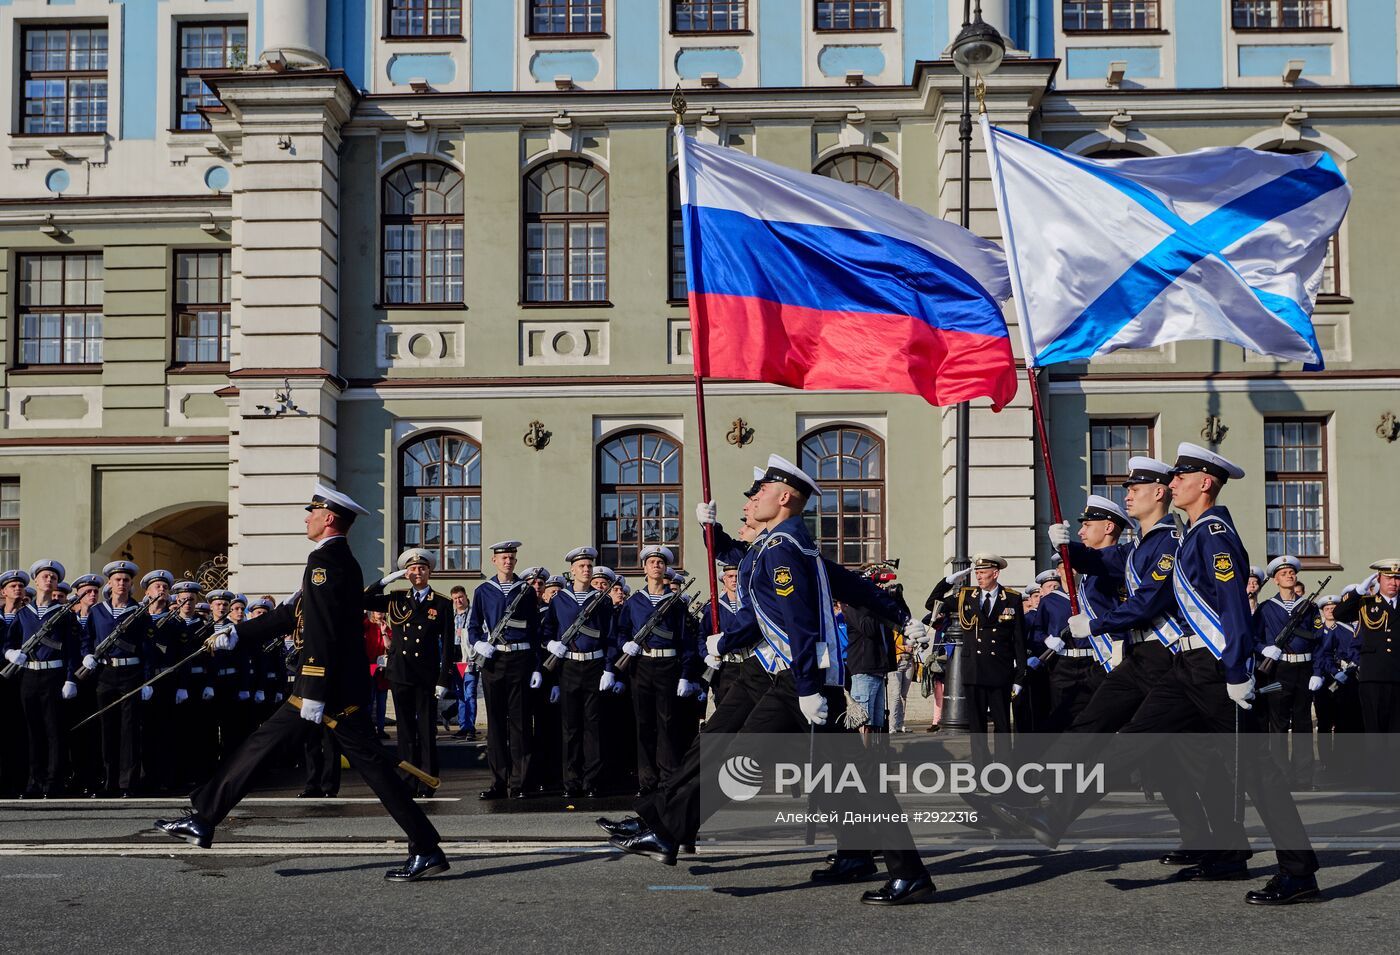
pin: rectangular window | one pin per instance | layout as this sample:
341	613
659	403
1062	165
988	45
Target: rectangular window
853	14
205	47
64	80
202	296
709	16
409	19
1282	14
1111	443
60	309
9	523
1295	487
548	17
1095	16
1330	284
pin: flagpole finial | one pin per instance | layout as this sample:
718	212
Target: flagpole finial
678	105
981	90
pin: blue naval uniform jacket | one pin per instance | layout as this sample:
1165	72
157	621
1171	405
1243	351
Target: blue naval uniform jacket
674	632
73	639
103	618
1209	585
560	614
1099	594
1339	644
1050	617
1272	616
794	613
729	614
1148	560
488	603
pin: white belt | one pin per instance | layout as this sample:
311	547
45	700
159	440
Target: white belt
1296	658
659	653
737	657
1139	636
123	661
1192	643
227	671
513	647
1076	654
43	664
584	657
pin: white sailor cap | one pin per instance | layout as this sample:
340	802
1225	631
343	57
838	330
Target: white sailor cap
335	502
656	550
1257	573
30	592
417	555
214	595
156	575
556	581
1390	567
1191	458
47	564
622	582
1143	470
725	566
63	587
986	561
1329	599
1278	563
121	567
203	607
535	573
12	575
240	599
88	580
581	553
1047	575
262	603
757	482
505	547
606	573
783	471
186	587
1100	508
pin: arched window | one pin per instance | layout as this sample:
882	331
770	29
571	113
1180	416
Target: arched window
440	499
566	233
862	169
422	237
639	497
848	519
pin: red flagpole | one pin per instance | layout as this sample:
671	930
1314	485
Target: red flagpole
1044	437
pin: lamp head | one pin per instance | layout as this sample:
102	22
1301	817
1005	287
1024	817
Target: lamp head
978	49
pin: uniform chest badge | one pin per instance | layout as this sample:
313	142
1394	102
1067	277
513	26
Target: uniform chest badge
782	581
318	576
1224	568
432	613
1008	614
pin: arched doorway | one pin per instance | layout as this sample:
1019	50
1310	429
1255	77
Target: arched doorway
181	542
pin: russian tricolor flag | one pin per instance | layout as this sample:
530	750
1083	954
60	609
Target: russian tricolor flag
804	281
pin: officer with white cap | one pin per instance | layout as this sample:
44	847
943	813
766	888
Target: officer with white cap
1373	606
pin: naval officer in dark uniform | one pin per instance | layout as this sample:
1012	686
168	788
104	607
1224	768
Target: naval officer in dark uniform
333	681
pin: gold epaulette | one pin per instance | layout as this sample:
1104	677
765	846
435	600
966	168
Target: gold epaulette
1013	594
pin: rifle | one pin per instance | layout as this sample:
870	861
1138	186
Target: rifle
103	650
1346	666
494	637
551	662
658	613
1266	665
204	647
51	621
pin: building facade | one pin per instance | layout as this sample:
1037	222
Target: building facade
427	251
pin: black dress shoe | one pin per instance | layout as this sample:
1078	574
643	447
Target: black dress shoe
1183	857
845	869
419	867
310	792
495	792
518	793
1285	889
1215	871
900	892
1032	822
622	828
646	843
189	828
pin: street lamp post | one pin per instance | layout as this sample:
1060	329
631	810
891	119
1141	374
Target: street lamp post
977	52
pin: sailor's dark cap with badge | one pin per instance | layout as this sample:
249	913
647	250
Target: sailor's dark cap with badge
1279	563
1143	470
986	561
12	575
1192	458
214	595
1390	567
757	482
186	587
581	553
1100	508
782	471
89	580
157	575
337	503
505	547
120	567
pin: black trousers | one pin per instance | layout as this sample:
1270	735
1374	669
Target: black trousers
989	704
232	716
654	700
505	679
1291	709
1073	682
158	739
83	744
355	734
322	754
41	695
415	711
724	678
121	725
1193	693
1380	706
13	757
581	716
1032	705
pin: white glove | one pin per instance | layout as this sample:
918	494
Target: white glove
535	680
17	657
683	687
90	662
1242	693
259	696
712	661
1272	652
226	638
814	708
706	512
952	580
1059	534
484	649
208	694
712	644
1314	683
181	695
606	683
556	648
1055	643
439	692
631	648
146	693
1080	626
390	578
1365	586
70	689
1015	690
313	710
381	661
554	694
244	696
915	632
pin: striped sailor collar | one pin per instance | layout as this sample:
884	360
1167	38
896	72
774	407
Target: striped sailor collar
1218	512
1166	523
